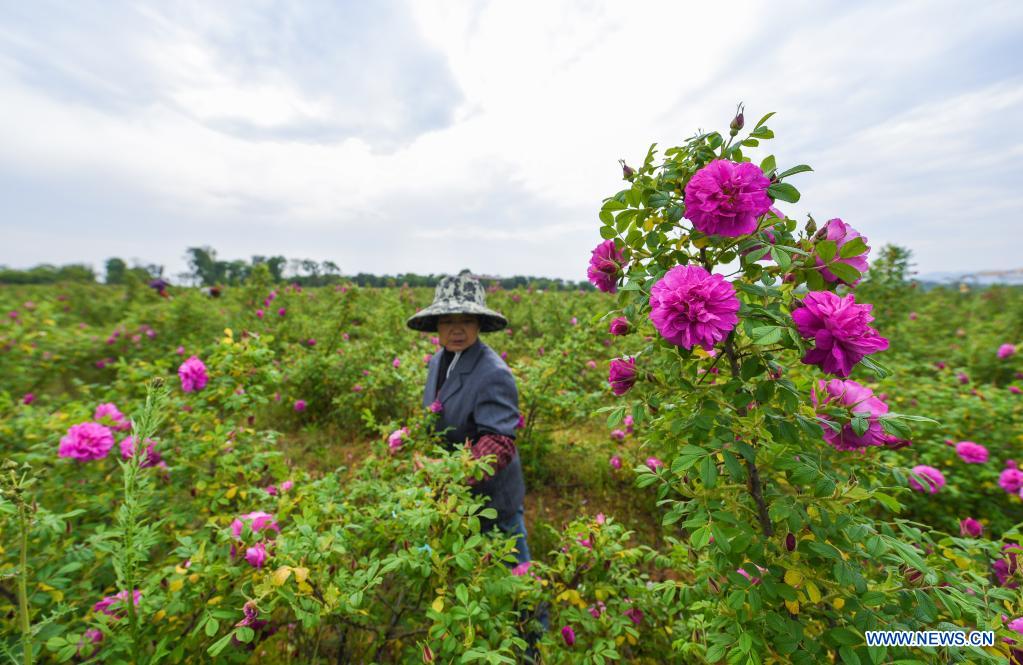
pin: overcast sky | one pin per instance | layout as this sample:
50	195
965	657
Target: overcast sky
427	137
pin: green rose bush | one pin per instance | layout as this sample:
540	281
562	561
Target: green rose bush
783	472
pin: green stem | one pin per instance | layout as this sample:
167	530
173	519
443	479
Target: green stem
26	627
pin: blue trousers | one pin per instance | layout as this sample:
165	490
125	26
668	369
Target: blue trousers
515	524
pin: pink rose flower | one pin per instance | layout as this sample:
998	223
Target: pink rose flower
725	198
256	555
934	478
615	462
618	435
971	453
841	233
28	398
606	262
840	330
971	527
193	375
691	306
109	415
257	521
859	400
1011	479
628	422
1006	350
622	375
86	441
282	311
654	463
287	485
260	313
568	635
152	457
396	363
396	439
300	405
436	406
112	605
619	326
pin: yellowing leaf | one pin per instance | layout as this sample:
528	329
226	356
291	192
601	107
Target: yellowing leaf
813	592
839	603
281	575
176	585
792	606
215	600
301	574
438	604
231	492
193	578
304	587
793	577
160	614
228	332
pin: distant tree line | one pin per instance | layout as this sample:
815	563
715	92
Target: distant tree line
205	269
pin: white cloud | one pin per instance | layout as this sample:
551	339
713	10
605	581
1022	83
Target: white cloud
215	116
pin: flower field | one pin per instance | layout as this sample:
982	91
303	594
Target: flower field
755	441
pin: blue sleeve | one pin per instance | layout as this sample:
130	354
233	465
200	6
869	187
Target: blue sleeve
497	404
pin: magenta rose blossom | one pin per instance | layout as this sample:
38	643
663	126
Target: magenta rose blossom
690	306
615	462
1011	479
114	418
568	635
605	265
436	406
619	326
1005	569
396	439
152	457
724	198
622	375
859	400
257	520
86	441
971	453
300	405
256	555
841	233
653	463
1006	350
970	527
840	330
934	479
193	375
116	602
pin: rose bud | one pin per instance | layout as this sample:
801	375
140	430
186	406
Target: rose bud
790	542
737	122
627	171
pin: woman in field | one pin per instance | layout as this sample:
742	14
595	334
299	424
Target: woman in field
475	396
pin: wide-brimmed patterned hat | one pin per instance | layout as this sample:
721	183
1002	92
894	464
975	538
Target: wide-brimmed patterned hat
462	294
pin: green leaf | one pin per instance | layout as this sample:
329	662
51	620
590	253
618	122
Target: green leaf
212	626
781	257
607	232
826	249
845	636
844	272
219	645
762	133
854	247
709	472
761	122
765	335
659	199
783	191
768	164
802	168
750	143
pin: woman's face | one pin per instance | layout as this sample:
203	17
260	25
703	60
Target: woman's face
457	332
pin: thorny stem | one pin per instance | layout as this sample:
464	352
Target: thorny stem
26	628
755	486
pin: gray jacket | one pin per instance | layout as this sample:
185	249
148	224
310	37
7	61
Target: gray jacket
479	396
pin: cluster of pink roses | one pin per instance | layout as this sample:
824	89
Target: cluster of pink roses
93	440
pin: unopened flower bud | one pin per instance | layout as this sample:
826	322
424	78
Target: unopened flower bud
790	542
737	122
627	171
